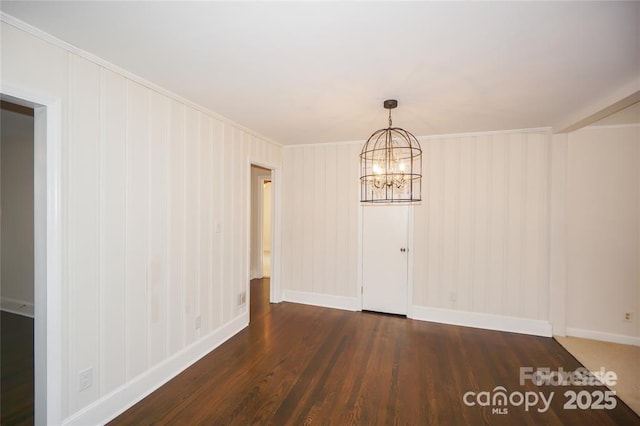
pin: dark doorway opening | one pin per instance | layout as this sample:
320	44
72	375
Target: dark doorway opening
17	264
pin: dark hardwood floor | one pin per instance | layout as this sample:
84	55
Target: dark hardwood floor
16	370
298	364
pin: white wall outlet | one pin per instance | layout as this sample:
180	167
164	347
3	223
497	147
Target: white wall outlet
198	322
85	379
453	297
628	317
242	298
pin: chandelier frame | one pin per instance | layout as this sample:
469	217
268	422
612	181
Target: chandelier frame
391	165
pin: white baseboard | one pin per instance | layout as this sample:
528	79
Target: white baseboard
17	307
604	337
422	313
115	403
324	300
481	320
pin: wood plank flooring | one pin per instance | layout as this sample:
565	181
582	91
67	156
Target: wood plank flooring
298	364
16	369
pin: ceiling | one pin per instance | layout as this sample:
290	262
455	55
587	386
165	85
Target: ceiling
313	72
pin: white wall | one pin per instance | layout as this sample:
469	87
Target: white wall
480	234
603	232
146	178
17	210
320	223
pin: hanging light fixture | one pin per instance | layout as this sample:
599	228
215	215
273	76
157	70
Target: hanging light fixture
391	165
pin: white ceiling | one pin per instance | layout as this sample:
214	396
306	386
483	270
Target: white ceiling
305	72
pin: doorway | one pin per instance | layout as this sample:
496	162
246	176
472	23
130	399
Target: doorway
261	240
17	263
385	258
261	222
266	227
47	248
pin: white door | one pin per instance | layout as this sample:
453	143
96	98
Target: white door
385	258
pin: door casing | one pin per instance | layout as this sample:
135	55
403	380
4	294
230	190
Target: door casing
47	248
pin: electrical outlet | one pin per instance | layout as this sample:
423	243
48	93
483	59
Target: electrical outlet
628	317
242	298
198	322
85	379
453	297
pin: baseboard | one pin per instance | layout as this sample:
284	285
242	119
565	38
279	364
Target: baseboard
115	403
17	307
481	320
604	337
324	300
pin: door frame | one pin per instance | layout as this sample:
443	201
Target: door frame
47	249
275	292
410	257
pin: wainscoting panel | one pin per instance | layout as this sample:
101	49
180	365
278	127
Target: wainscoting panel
204	264
82	162
137	212
158	226
113	94
176	227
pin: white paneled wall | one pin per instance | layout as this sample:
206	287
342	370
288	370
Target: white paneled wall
147	178
480	234
481	231
320	222
603	233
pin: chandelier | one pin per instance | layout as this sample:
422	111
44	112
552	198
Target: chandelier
391	165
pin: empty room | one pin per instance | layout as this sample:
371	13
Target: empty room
343	213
